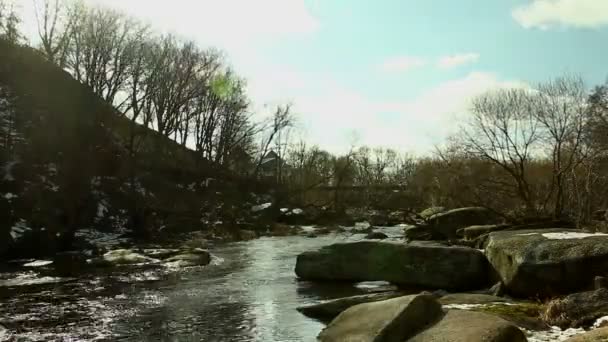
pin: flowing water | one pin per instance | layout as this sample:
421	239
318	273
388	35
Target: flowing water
248	293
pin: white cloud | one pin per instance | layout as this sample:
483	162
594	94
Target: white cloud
227	24
330	111
452	61
545	14
402	64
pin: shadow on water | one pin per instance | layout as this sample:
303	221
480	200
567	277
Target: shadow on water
250	293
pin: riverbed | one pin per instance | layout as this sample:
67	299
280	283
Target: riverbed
248	293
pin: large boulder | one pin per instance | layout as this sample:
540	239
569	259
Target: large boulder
329	310
447	224
423	265
598	335
473	232
578	309
547	262
470	326
190	257
124	257
393	320
421	232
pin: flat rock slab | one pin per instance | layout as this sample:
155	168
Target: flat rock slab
393	320
329	310
470	326
598	335
547	262
448	223
426	266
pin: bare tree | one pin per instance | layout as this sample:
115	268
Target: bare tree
9	22
56	22
561	110
503	130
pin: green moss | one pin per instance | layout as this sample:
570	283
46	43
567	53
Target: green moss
525	314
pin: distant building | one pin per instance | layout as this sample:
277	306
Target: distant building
272	167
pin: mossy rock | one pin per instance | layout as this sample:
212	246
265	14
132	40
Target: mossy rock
524	314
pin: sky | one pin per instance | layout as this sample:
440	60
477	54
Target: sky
392	73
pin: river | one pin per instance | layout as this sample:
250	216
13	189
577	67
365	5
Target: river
248	293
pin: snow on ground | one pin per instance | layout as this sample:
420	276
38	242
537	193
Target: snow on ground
565	235
571	235
19	229
297	211
30	278
258	208
362	225
38	263
9	196
551	335
600	321
308	229
101	239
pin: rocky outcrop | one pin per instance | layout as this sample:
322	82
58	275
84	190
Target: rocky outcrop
470	326
598	335
124	257
473	232
376	236
547	262
329	310
578	309
447	224
429	266
185	257
190	257
393	320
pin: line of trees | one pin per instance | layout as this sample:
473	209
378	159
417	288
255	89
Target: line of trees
534	152
160	81
523	152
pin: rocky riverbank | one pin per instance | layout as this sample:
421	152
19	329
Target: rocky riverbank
516	279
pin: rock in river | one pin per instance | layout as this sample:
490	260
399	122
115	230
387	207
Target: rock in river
428	266
598	335
328	310
470	326
124	257
547	262
190	257
393	320
578	309
447	224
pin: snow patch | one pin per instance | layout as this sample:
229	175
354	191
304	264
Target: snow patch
9	196
38	263
101	239
362	225
284	210
258	208
551	335
600	321
297	211
31	278
19	229
571	235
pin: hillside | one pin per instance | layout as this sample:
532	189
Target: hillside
67	168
